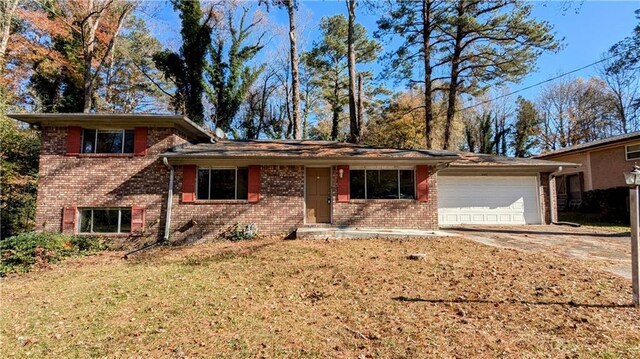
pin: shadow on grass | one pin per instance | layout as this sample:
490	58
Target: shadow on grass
467	301
552	233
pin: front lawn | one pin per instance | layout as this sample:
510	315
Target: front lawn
595	220
337	298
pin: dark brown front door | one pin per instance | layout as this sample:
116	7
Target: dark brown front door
318	197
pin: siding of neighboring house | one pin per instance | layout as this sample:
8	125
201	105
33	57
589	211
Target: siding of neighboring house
608	166
601	168
102	180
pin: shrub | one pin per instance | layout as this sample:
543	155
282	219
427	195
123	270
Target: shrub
238	232
609	203
23	252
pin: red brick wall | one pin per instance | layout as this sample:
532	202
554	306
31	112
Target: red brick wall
387	213
280	209
547	192
103	181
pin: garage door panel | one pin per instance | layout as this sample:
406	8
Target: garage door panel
488	200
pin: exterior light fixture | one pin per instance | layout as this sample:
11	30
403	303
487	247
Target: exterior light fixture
341	173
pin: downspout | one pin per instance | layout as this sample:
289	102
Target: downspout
167	222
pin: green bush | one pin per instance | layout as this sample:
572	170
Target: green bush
608	203
23	252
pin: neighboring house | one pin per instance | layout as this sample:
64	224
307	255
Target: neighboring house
163	176
603	163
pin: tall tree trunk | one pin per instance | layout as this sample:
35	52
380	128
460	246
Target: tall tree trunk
89	41
454	77
295	76
360	103
7	10
354	134
335	109
426	54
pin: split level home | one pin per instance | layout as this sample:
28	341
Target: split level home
602	164
163	176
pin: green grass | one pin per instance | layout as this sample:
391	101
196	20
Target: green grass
316	299
595	220
23	252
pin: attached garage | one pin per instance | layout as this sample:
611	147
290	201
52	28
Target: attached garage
488	200
480	189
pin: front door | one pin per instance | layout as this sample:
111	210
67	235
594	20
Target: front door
318	196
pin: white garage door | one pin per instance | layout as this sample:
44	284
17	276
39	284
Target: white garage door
488	200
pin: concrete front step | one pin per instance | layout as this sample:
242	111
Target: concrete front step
315	232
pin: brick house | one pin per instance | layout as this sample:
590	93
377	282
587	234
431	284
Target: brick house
162	176
602	165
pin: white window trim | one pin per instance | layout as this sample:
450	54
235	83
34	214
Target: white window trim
626	152
119	231
235	198
379	168
123	131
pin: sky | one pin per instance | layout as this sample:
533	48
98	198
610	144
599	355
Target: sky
587	29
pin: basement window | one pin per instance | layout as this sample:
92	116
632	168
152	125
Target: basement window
633	152
223	183
382	184
105	220
107	141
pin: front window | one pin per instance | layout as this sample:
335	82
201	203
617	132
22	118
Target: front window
223	183
107	141
633	152
382	184
105	220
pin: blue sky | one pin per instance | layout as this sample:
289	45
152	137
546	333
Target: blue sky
588	29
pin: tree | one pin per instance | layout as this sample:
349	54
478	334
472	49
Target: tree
397	127
525	128
418	23
354	122
19	154
129	81
7	12
621	70
90	16
489	42
185	68
624	85
230	78
328	60
67	44
574	112
291	7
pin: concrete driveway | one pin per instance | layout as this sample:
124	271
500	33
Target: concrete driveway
612	250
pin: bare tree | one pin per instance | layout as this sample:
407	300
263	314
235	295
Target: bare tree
624	84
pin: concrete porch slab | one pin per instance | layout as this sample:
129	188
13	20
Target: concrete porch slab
315	232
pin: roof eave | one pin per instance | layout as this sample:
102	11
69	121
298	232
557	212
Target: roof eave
65	119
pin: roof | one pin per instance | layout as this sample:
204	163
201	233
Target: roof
189	127
469	159
592	145
308	150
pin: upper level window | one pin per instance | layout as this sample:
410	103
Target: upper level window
223	183
382	184
633	152
105	220
107	141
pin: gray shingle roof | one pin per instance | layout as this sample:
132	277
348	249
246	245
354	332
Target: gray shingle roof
592	144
